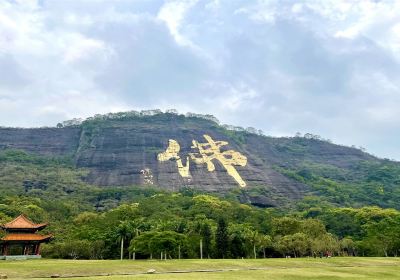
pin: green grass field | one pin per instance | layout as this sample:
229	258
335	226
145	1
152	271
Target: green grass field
306	268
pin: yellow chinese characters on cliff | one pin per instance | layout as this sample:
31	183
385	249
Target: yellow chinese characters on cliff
172	153
207	152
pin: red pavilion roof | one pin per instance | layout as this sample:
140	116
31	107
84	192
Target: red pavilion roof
26	237
22	222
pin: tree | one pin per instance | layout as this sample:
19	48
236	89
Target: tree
154	242
385	235
207	238
326	243
300	244
265	242
296	244
222	239
255	240
285	226
123	232
347	246
143	244
313	228
238	241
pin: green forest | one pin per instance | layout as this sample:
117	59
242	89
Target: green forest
142	222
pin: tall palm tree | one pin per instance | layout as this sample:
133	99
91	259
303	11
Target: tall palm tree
123	231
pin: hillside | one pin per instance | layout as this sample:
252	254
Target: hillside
171	151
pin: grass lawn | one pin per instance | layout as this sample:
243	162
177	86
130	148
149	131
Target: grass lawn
306	268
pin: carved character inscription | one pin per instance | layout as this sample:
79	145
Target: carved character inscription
207	152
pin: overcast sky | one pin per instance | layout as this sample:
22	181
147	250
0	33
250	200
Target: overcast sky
330	68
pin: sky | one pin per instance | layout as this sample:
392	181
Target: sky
327	67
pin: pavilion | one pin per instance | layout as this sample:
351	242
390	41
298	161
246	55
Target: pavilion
21	240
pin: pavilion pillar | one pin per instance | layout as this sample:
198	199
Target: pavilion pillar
37	249
5	249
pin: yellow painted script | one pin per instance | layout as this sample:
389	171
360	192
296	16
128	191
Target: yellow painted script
207	152
172	153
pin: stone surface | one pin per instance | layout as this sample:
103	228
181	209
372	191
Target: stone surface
124	152
43	141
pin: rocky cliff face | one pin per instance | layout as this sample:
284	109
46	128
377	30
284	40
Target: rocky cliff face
127	152
43	141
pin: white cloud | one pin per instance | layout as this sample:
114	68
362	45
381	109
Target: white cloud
263	11
232	98
329	67
81	48
173	13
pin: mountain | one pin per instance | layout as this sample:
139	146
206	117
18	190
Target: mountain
171	151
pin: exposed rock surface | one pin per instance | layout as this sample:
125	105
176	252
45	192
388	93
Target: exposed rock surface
124	152
43	141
